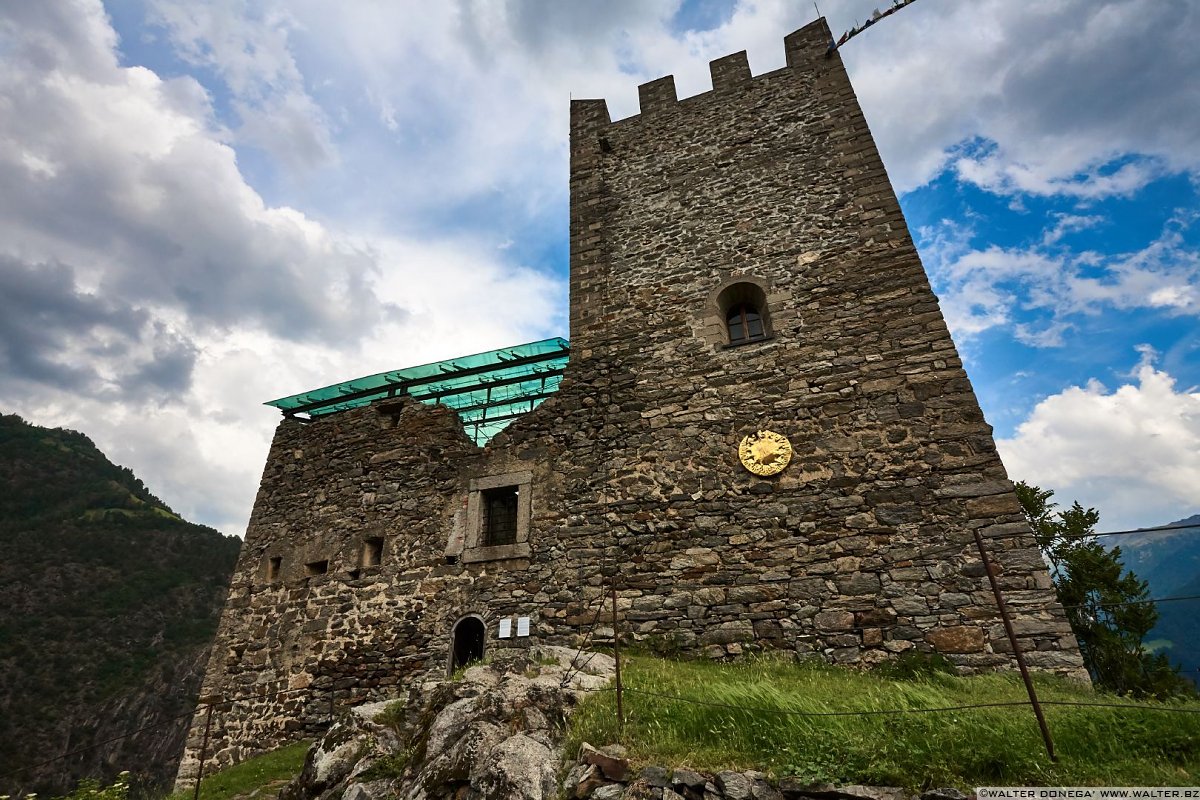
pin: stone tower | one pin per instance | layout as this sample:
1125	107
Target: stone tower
739	263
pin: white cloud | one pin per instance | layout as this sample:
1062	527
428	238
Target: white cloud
1066	224
426	111
1001	287
142	201
249	48
1049	335
998	174
1062	94
1133	452
153	299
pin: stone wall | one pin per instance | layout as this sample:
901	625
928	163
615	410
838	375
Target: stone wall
633	473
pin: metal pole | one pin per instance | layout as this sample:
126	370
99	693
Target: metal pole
1016	648
203	748
617	658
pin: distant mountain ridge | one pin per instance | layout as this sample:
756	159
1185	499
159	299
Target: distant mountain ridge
1170	562
108	603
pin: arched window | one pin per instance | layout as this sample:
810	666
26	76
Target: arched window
745	324
745	310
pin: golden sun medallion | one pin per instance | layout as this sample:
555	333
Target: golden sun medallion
765	453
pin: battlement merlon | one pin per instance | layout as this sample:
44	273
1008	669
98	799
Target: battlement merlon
802	48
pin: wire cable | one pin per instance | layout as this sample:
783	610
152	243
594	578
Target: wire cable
566	679
95	745
1103	605
215	704
923	554
860	712
935	709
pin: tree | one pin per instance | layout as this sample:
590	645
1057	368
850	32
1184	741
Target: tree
1105	603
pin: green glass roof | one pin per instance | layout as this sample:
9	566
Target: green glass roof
488	390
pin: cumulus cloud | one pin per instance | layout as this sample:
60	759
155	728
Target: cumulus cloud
469	97
152	298
1065	224
1060	93
1133	452
466	100
248	46
1000	174
992	287
117	172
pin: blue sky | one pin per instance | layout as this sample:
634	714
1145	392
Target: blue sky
212	204
1041	347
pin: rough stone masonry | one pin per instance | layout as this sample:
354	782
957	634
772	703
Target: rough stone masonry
767	190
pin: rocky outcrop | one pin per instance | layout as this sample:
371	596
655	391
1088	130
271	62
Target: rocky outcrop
585	780
495	732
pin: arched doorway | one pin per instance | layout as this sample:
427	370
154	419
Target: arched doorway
467	644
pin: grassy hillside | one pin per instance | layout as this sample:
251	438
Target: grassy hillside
262	776
753	715
107	603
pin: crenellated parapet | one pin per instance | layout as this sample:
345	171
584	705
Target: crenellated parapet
806	50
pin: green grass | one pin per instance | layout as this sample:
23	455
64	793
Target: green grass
976	747
256	773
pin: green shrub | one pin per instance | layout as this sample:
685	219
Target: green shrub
390	766
394	717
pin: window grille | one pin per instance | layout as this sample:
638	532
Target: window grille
500	516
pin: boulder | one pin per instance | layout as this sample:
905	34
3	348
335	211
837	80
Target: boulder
614	768
734	785
793	788
655	776
518	768
591	780
948	793
685	779
493	733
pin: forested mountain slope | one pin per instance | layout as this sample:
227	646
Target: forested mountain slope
108	602
1170	562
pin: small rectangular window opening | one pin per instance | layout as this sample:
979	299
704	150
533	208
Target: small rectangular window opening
372	552
500	516
274	564
314	568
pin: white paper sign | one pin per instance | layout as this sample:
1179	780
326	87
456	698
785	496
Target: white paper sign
522	626
505	628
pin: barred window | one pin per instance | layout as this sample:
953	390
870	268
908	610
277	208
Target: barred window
498	519
500	516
